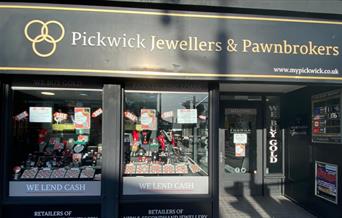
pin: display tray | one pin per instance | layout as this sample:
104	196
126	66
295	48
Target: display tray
87	173
29	174
154	169
44	174
58	173
73	173
83	173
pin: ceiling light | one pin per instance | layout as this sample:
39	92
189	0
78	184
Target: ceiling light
47	93
83	94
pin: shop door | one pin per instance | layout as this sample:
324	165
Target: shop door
241	149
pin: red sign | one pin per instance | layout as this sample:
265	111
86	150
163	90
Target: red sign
96	113
148	119
58	117
131	116
82	118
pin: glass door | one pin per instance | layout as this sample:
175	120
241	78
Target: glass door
240	141
240	150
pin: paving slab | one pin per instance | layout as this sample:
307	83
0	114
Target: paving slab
261	207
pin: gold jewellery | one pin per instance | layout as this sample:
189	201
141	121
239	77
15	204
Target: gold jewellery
44	36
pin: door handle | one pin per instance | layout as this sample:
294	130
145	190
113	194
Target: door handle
221	157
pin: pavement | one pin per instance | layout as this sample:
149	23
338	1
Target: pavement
260	207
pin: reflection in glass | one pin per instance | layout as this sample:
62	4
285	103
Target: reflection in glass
56	134
165	133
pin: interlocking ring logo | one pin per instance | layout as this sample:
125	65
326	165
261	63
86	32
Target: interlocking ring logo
44	36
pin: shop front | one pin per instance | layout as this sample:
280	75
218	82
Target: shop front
121	112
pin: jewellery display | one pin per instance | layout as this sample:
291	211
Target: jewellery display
129	168
163	154
44	173
29	173
143	169
73	173
60	155
58	173
16	171
156	169
56	137
87	173
158	142
194	168
182	169
168	169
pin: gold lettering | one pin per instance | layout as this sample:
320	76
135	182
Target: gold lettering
246	44
160	44
211	45
183	45
328	50
218	46
202	46
255	48
303	49
295	47
278	48
312	49
336	50
266	48
152	42
171	44
287	48
321	50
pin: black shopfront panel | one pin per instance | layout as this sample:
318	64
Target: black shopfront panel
313	170
54	40
2	132
141	43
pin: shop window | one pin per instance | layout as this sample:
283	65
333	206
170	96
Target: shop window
165	143
56	145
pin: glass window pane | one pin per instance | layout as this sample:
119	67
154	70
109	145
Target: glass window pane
56	141
240	145
165	135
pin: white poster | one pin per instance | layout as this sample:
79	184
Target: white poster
40	115
240	138
186	116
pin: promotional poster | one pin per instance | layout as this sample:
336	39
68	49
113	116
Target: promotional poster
326	185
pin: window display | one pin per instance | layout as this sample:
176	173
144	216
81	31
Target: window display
56	136
165	135
326	117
